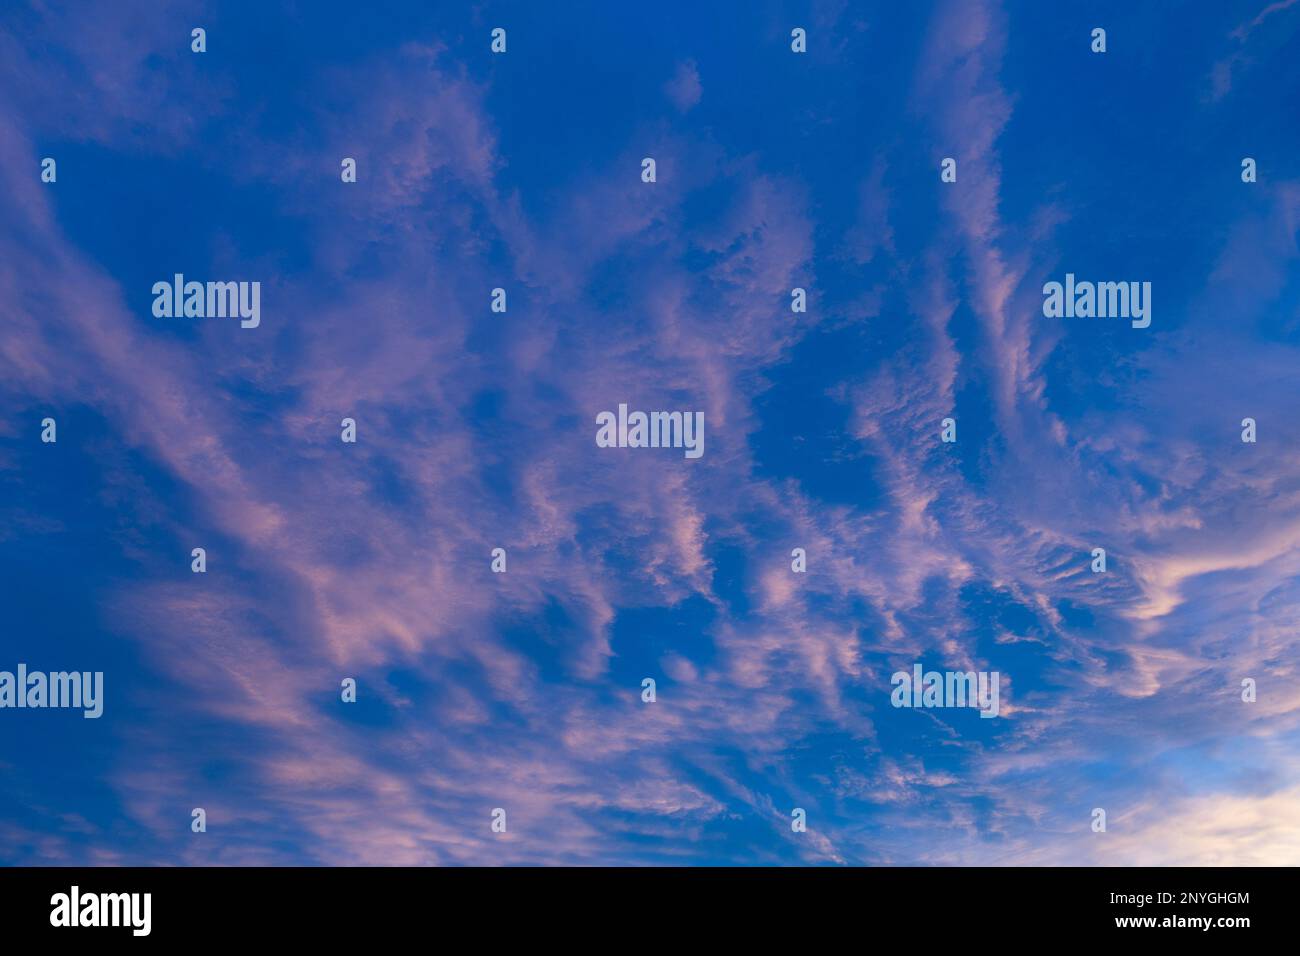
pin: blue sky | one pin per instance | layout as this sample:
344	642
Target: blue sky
476	430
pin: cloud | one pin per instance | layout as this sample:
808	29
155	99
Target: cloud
476	430
684	88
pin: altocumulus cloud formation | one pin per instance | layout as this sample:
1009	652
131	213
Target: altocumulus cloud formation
475	430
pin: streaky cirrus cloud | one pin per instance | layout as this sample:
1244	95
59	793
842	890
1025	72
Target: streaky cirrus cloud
476	431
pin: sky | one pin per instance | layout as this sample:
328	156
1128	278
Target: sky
522	691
